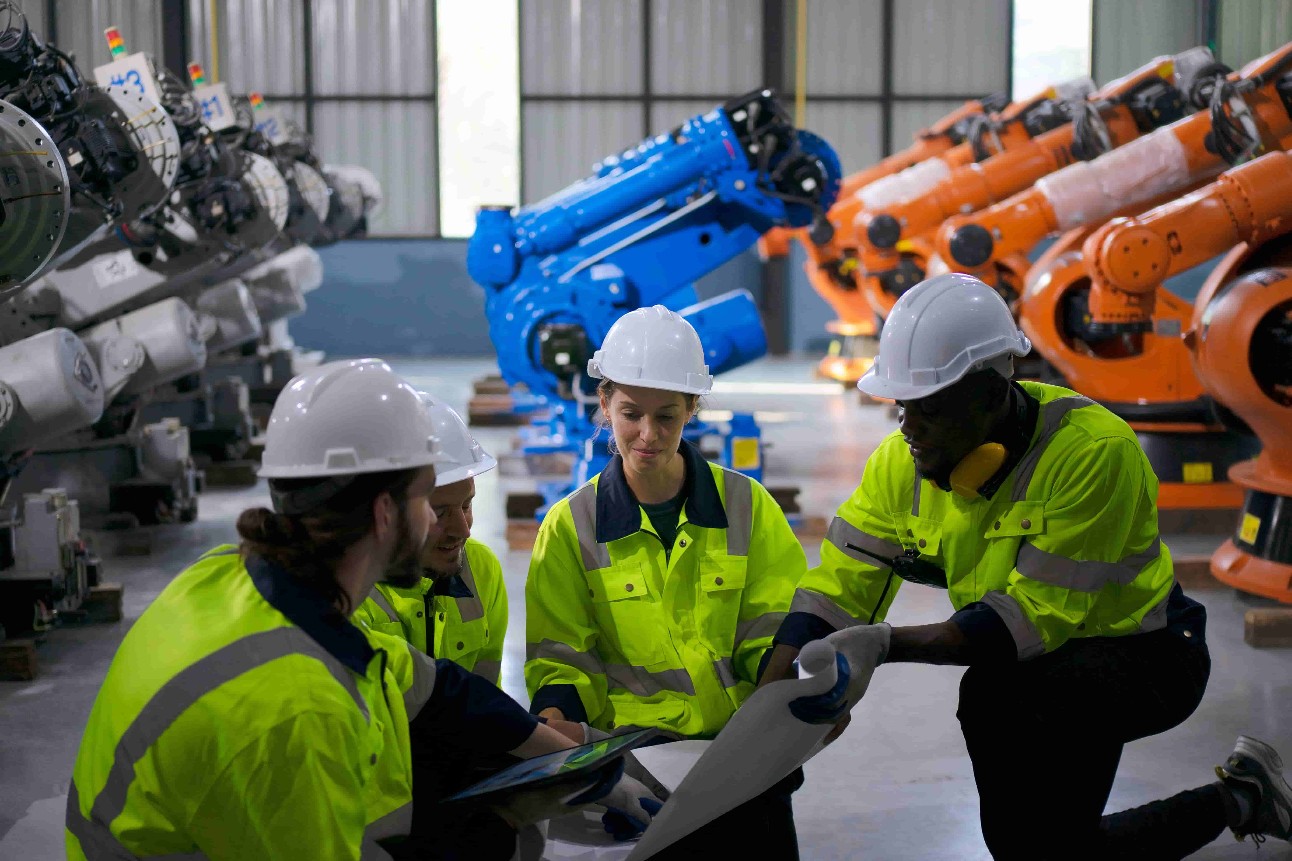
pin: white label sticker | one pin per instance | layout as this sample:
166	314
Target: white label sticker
114	268
133	72
217	107
269	124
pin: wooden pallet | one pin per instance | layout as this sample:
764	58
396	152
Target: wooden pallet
1268	627
18	657
231	473
490	385
495	411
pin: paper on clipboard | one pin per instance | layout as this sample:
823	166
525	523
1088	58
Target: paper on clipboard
727	775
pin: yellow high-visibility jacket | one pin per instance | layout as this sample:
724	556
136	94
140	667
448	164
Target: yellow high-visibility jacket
1067	546
621	634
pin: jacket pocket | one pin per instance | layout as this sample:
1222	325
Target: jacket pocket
722	585
628	614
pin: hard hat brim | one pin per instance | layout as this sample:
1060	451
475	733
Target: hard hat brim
462	473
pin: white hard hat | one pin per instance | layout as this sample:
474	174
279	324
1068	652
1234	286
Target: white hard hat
464	456
940	330
348	418
654	348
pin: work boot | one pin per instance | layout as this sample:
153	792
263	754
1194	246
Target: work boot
1255	769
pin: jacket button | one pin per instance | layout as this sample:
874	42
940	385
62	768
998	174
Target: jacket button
1026	524
682	543
628	587
717	581
1189	634
372	760
997	526
441	617
419	614
923	543
459	646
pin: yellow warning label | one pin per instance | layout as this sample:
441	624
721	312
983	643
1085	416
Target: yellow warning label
1250	526
744	453
1198	473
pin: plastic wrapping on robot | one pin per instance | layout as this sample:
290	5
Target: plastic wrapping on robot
761	744
1091	191
904	185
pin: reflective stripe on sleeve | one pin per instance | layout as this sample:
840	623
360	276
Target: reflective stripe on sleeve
644	683
491	670
1026	638
423	682
563	653
726	672
758	627
1082	576
842	533
807	601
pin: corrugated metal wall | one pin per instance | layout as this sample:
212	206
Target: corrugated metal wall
706	46
259	43
1252	28
396	141
959	47
81	24
384	48
845	58
1128	35
578	47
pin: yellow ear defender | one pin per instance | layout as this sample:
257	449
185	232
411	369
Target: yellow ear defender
977	467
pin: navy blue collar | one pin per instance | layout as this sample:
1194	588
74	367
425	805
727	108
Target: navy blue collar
450	587
312	613
619	515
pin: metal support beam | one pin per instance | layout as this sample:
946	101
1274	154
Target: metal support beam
888	22
51	22
774	303
175	47
307	52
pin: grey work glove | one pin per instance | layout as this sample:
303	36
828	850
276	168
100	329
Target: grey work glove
632	766
855	652
629	804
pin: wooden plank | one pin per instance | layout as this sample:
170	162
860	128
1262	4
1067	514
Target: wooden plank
103	604
1268	627
231	473
18	660
521	534
1193	573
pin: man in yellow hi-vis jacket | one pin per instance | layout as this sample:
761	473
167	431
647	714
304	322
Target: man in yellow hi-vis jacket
455	607
1036	509
244	716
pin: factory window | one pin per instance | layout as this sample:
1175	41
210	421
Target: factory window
479	110
1051	43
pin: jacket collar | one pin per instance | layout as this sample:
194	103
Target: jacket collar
619	515
450	587
1016	434
312	613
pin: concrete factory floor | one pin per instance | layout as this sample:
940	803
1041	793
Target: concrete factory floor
897	785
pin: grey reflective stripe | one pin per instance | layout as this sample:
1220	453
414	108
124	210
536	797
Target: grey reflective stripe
381	601
1045	567
807	601
1155	619
842	533
1026	638
758	627
372	851
583	507
563	653
726	672
423	682
97	841
1052	415
396	823
192	683
491	670
471	608
915	497
739	504
644	683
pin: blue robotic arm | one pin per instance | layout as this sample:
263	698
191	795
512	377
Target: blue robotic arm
639	231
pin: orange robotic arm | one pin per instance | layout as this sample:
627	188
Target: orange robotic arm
1107	120
1171	159
946	134
1129	258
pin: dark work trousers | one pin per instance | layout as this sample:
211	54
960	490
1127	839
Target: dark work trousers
1045	737
442	767
762	827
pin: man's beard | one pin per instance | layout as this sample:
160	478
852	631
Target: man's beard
405	568
453	569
